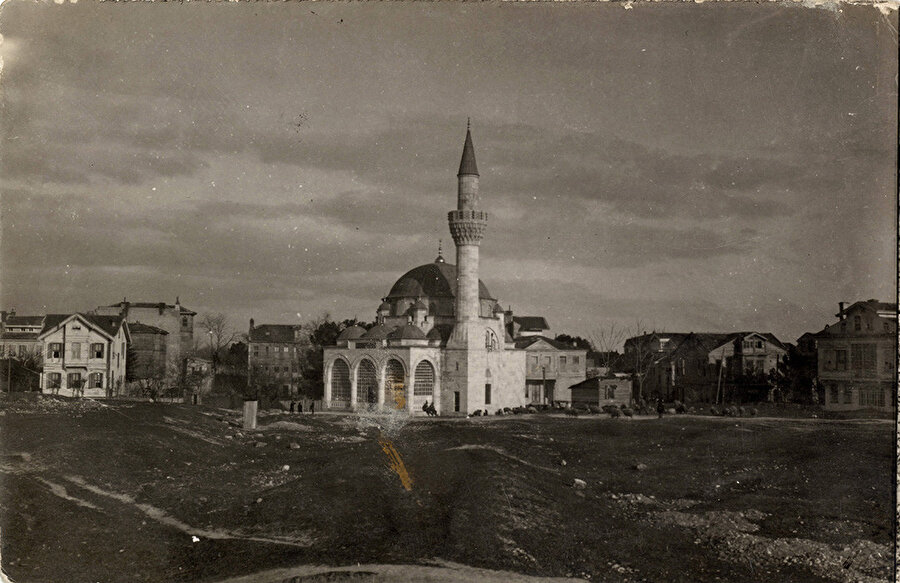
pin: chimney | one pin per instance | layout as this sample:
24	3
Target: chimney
841	310
251	324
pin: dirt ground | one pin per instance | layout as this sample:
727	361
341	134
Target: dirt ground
125	491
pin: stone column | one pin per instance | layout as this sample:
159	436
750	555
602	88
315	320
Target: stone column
380	380
410	392
436	392
326	399
353	374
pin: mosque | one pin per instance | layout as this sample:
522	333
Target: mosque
440	336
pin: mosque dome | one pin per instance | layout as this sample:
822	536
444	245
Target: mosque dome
351	333
378	332
408	332
432	280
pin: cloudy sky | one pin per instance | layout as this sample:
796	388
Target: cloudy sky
692	167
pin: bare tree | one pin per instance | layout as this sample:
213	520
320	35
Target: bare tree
607	340
220	334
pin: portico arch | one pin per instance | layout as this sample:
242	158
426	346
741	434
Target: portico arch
366	382
395	383
340	382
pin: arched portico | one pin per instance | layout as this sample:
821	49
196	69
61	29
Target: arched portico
366	383
338	387
395	383
426	386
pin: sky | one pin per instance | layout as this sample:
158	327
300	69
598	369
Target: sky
659	166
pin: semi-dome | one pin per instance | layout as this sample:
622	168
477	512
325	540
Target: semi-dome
432	280
351	333
378	332
384	307
408	332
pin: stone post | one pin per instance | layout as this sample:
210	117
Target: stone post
250	414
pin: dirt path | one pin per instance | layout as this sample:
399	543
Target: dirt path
162	517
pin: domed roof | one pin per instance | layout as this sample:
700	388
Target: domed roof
408	332
419	305
378	332
351	333
432	280
384	307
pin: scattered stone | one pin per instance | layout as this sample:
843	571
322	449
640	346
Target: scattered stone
259	500
640	467
579	484
562	462
285	468
259	444
293	445
203	499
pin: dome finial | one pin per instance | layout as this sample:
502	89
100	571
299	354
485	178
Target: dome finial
440	257
468	123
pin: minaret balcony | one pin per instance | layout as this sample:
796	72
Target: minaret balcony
467	226
467	215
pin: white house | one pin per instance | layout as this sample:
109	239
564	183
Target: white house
84	354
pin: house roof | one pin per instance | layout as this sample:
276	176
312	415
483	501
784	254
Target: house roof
525	341
19	336
531	323
273	333
154	305
871	305
23	320
141	328
110	325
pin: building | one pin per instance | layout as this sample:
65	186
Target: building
84	354
551	367
19	335
614	390
148	352
440	335
274	356
175	319
857	357
702	366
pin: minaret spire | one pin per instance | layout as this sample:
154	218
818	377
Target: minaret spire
467	225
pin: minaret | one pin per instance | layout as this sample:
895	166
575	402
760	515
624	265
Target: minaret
467	225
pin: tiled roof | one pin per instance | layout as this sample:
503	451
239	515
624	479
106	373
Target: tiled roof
872	305
23	320
526	341
141	328
273	333
109	324
19	336
154	305
531	323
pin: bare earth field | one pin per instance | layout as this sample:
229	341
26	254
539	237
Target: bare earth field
125	491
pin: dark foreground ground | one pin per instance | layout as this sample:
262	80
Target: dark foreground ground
149	492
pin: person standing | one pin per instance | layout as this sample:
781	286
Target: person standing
660	407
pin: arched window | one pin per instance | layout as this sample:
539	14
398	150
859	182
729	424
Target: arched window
490	340
393	383
366	383
340	381
424	380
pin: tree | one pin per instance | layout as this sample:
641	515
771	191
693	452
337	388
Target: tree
576	341
219	335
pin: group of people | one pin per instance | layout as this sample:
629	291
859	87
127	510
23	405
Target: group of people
299	407
429	409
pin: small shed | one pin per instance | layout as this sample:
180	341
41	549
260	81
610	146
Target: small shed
602	391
